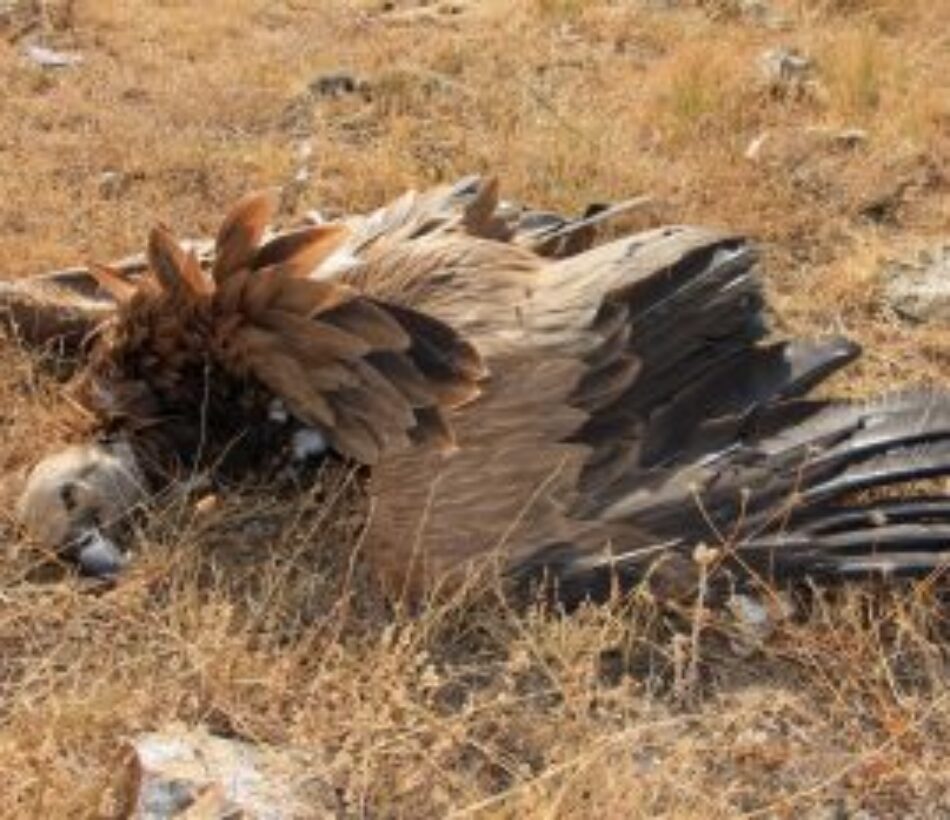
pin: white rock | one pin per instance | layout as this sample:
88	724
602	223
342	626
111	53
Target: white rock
919	290
191	773
48	58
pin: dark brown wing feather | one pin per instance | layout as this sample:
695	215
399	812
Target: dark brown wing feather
344	348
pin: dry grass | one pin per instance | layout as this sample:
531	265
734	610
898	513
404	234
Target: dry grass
471	711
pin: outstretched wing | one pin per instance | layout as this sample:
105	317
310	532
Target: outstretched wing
636	410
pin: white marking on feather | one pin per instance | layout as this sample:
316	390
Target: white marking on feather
336	264
277	412
307	442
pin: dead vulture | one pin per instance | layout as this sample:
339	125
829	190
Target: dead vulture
587	414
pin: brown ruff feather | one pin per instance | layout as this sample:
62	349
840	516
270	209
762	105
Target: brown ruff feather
308	297
399	371
111	281
344	363
312	337
241	231
375	325
301	251
178	272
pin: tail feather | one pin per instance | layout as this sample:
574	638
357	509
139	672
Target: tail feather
889	565
876	514
893	549
894	467
904	429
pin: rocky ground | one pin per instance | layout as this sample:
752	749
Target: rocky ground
819	127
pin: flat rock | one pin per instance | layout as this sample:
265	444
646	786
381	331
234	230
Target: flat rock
48	58
187	773
919	289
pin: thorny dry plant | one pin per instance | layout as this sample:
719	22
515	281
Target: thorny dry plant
253	617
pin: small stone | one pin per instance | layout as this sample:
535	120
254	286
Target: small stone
762	13
754	148
846	138
755	621
851	137
784	67
112	184
48	58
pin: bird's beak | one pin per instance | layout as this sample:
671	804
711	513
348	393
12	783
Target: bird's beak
97	555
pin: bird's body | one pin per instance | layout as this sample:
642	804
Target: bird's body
524	397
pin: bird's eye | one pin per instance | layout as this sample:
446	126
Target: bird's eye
67	494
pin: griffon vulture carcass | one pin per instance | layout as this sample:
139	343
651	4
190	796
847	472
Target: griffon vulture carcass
587	413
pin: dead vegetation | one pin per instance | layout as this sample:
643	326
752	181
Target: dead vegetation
253	617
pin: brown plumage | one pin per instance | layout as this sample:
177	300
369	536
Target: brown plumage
340	361
589	412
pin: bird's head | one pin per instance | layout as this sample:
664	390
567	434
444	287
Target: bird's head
77	503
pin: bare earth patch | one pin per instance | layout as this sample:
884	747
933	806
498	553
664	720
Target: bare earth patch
253	617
